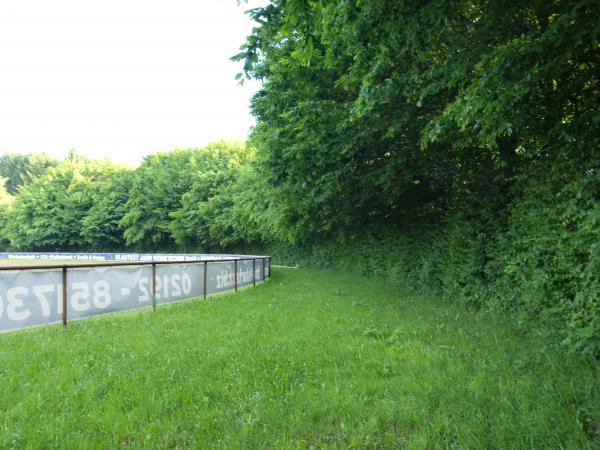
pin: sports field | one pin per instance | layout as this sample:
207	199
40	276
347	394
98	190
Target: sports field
308	359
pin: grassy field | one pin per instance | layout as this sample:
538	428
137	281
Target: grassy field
308	359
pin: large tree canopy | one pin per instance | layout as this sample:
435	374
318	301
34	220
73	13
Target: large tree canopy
156	189
49	213
376	110
204	219
20	169
100	228
179	199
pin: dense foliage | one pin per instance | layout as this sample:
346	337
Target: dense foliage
20	169
50	213
204	218
181	198
375	111
453	145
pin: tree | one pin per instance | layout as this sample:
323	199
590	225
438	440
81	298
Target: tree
5	204
49	213
156	189
100	229
375	112
20	169
204	220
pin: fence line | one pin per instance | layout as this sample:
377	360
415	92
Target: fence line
33	295
127	257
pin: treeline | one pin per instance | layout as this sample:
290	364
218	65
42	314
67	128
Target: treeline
451	145
183	199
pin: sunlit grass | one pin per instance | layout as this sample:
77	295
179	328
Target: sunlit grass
310	358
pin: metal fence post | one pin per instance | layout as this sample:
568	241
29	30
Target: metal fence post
154	286
263	269
269	267
253	271
205	270
64	298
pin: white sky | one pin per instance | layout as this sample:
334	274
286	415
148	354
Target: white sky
121	78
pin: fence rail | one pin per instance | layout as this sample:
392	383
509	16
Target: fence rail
34	295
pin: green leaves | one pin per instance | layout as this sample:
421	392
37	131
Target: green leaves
182	199
156	189
204	218
100	228
50	213
304	53
21	169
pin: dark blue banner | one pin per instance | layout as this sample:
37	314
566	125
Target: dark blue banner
123	257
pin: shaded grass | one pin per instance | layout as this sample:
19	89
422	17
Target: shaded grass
310	358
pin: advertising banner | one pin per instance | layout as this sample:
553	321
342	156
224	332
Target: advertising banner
179	282
260	275
121	257
244	277
29	298
97	290
219	277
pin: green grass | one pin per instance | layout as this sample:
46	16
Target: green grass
310	358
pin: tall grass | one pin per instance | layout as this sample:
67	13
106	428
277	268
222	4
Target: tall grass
310	358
